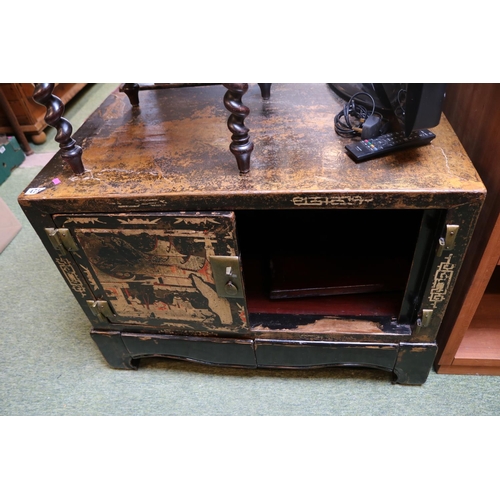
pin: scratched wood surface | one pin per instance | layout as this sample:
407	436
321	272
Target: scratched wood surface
174	151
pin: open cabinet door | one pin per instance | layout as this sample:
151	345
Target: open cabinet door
156	269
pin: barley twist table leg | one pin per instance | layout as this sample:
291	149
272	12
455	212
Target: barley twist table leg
241	145
70	151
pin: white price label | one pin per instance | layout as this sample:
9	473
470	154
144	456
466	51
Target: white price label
34	190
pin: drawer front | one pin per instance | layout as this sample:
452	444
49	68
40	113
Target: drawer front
296	354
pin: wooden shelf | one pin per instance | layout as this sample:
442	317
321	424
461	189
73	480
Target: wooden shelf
480	345
469	338
481	342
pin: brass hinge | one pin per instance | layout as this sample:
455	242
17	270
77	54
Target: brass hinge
448	242
61	240
227	276
425	319
101	309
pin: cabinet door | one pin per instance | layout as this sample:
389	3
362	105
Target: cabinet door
154	269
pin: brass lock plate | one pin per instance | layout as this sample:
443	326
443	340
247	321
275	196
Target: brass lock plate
227	276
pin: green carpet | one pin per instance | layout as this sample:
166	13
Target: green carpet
50	366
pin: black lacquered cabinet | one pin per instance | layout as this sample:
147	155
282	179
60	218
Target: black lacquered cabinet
309	260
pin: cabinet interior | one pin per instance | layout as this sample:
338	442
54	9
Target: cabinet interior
343	263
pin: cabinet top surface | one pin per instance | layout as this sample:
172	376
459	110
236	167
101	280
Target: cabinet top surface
176	144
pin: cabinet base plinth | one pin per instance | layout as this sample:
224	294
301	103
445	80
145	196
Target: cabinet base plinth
409	363
414	363
113	349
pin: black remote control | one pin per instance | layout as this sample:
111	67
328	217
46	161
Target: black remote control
387	143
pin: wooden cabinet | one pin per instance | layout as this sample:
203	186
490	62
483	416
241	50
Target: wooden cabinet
309	260
469	338
29	114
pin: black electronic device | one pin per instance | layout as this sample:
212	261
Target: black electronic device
387	143
406	106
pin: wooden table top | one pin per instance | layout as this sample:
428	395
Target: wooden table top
175	146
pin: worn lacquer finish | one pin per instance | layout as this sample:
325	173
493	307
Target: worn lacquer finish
154	269
161	194
172	152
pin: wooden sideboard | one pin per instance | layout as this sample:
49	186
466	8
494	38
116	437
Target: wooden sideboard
29	114
307	260
469	337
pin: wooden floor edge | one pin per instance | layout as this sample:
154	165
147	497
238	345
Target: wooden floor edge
467	370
